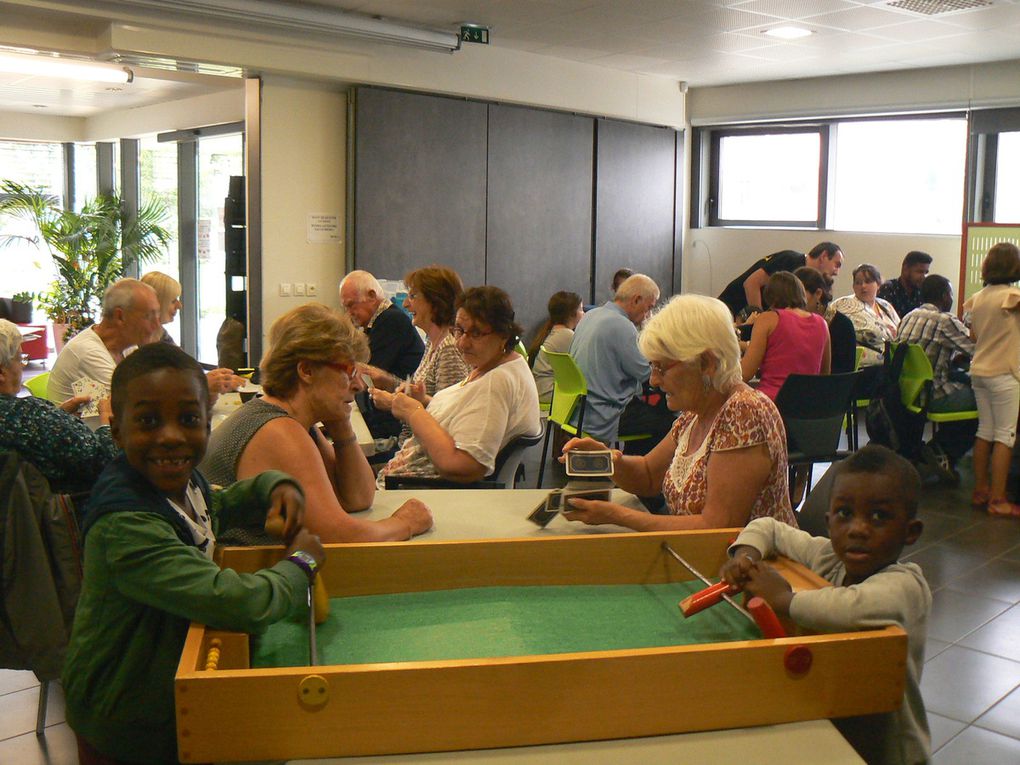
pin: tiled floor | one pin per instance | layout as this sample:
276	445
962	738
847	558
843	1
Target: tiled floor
971	680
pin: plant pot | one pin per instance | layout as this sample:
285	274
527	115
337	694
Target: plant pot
21	313
59	330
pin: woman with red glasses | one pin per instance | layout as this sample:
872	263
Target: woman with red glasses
458	434
309	375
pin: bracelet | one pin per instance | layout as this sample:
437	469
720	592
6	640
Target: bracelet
344	441
304	561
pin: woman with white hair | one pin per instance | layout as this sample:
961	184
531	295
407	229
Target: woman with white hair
59	444
723	463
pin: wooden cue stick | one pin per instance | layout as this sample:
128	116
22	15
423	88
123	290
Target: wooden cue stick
313	653
689	567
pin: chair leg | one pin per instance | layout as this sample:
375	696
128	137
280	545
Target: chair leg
545	451
40	715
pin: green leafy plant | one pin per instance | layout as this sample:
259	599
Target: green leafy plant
24	297
90	248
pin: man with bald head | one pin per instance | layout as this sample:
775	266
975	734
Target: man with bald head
130	317
606	350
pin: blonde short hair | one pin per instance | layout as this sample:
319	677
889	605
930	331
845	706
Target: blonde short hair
10	342
310	332
689	325
167	290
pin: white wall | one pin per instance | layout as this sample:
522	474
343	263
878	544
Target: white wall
304	134
715	256
19	126
210	109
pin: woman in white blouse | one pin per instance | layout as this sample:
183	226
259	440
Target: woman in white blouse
874	319
459	433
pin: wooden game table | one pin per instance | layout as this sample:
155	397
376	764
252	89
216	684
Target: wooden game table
228	711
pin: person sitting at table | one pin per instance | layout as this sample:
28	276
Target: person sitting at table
786	339
432	294
60	445
168	290
459	433
724	461
874	319
565	311
310	375
842	342
872	516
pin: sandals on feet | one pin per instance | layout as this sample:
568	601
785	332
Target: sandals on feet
979	498
1003	507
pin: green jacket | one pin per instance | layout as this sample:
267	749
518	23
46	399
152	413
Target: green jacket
143	586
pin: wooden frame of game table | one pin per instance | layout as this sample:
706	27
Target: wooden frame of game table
227	711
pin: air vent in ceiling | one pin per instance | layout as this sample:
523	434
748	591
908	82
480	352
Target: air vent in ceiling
938	7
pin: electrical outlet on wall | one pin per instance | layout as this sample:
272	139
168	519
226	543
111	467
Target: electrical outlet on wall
311	289
299	288
284	289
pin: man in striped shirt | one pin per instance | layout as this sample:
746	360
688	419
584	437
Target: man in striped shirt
945	340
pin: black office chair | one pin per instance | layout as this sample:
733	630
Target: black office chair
504	476
813	408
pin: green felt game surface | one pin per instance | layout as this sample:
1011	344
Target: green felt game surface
489	622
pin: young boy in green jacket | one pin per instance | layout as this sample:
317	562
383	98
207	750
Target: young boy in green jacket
149	533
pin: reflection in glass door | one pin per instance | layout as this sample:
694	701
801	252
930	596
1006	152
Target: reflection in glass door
219	158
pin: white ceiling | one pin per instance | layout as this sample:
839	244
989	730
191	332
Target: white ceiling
715	42
702	42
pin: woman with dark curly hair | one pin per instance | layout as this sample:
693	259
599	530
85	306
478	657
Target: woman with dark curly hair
459	433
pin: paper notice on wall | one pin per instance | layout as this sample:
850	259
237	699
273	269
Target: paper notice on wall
323	227
203	238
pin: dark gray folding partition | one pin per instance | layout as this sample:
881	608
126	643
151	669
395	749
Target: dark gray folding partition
635	215
539	206
419	183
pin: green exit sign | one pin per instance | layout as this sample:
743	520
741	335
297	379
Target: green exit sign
473	33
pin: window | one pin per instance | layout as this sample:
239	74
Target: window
899	176
1007	192
768	177
903	175
157	164
84	174
27	267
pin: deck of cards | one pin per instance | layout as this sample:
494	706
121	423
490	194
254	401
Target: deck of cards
86	386
595	471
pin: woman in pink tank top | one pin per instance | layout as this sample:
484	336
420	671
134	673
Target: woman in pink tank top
786	339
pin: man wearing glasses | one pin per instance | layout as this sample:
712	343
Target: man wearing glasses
605	348
395	346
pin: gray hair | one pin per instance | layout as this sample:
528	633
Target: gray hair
637	285
121	294
10	342
363	282
690	325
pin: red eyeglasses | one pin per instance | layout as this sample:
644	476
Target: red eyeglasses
346	368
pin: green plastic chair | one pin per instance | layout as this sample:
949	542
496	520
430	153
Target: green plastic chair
916	383
521	349
38	385
570	392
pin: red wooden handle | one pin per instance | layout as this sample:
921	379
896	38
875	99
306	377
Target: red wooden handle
766	618
705	598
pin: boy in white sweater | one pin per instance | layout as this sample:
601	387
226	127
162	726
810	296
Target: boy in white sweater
872	516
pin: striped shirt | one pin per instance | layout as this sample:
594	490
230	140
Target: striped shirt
942	336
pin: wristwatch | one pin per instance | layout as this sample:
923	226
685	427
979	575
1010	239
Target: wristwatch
304	561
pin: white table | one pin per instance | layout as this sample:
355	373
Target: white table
228	403
484	513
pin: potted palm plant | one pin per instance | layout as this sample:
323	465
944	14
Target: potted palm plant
90	248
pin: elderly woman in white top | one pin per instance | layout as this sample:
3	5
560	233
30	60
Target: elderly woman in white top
874	319
464	426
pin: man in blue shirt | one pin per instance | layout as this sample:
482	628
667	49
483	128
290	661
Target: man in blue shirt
605	348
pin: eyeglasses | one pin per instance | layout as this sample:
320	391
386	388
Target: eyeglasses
457	331
344	368
349	304
659	369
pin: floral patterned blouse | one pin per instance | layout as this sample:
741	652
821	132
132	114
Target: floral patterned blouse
60	445
872	326
747	418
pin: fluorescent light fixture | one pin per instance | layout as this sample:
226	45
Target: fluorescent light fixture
788	33
288	16
51	66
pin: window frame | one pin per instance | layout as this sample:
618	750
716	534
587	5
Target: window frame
705	163
822	130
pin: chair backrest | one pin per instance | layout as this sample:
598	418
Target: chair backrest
812	408
569	388
508	460
521	349
915	378
37	385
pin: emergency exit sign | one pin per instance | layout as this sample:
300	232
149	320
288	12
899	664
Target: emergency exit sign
473	33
